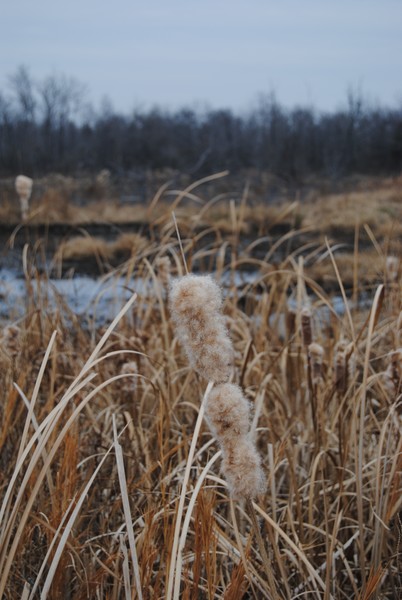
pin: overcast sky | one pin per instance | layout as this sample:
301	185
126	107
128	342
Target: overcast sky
220	53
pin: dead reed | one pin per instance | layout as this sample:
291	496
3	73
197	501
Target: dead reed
97	437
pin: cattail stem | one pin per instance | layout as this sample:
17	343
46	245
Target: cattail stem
180	244
186	523
196	304
262	549
173	557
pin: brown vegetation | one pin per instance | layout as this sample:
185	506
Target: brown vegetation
374	202
97	424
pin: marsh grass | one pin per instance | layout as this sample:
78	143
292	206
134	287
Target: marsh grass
375	202
107	493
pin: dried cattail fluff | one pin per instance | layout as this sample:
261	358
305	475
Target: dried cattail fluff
228	414
316	354
343	365
23	186
392	377
195	303
241	466
9	341
290	322
130	383
398	329
392	268
306	327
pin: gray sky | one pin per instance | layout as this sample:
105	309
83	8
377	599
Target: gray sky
218	53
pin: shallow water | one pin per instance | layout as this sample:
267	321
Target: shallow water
100	298
95	298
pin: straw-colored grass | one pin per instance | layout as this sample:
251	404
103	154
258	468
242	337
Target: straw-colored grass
375	202
110	487
85	246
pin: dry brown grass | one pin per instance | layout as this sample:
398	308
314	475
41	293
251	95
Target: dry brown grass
84	246
380	208
374	202
370	268
95	439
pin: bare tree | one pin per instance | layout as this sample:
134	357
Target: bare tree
62	99
48	125
23	89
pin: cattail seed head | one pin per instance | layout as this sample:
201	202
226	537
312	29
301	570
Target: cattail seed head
395	360
290	322
392	377
241	466
227	412
195	303
23	186
344	365
306	327
130	383
10	341
392	264
340	369
316	354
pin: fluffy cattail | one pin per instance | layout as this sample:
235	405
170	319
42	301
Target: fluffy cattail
129	384
227	412
23	186
392	268
316	353
228	415
343	365
196	303
241	466
306	327
9	341
392	377
290	322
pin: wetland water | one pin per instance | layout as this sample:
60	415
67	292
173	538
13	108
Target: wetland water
98	300
86	293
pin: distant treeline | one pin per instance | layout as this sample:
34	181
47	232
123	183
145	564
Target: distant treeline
48	126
